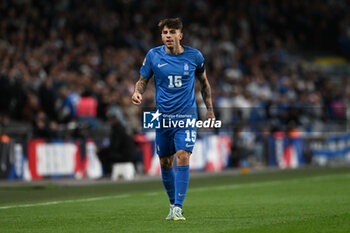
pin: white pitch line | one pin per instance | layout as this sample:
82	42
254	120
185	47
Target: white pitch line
152	193
65	201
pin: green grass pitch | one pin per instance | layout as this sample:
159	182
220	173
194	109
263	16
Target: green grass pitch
304	200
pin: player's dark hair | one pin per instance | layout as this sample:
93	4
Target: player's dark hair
173	23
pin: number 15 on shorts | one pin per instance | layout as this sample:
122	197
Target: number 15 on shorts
190	136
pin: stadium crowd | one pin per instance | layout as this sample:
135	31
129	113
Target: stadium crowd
77	61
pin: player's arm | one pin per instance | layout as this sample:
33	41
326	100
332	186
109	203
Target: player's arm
140	88
206	95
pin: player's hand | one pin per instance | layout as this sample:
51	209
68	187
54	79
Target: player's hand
136	98
210	114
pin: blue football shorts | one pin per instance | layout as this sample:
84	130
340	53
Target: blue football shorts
168	141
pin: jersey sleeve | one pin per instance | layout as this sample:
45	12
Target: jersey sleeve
146	68
200	64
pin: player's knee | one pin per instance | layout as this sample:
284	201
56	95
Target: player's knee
167	162
183	156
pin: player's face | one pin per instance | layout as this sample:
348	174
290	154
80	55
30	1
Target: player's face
171	37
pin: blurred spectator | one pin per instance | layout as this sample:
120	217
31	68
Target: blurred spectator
47	97
261	148
242	147
32	106
122	147
43	128
87	109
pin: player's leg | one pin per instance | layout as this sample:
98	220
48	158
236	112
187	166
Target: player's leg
168	178
166	150
184	143
182	176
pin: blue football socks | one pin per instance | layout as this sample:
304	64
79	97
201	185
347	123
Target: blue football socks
181	184
168	177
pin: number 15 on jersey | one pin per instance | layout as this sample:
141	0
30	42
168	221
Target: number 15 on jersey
175	81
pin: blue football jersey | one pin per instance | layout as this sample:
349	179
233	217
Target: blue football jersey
174	78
